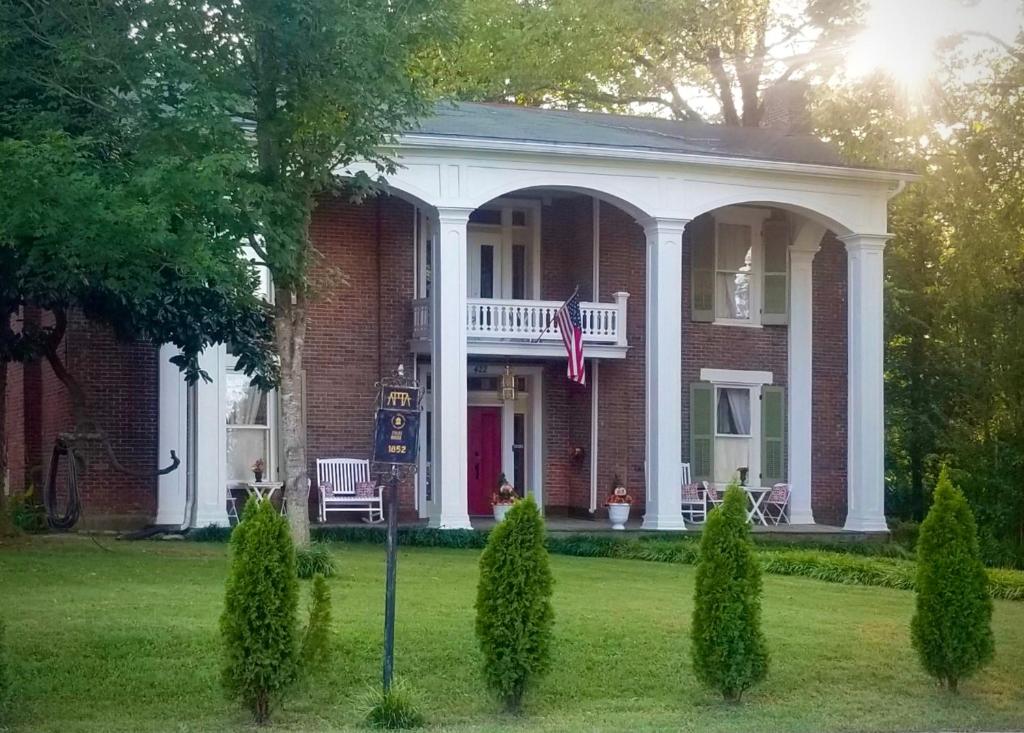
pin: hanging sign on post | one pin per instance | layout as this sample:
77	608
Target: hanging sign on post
396	436
395	439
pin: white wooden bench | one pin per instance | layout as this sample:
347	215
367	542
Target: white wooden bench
344	485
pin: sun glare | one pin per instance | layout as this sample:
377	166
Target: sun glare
900	36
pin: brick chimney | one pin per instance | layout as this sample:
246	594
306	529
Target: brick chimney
785	107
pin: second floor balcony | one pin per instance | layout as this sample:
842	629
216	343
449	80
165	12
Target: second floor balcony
509	327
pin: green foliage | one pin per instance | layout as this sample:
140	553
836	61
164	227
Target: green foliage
315	651
314	559
514	616
258	625
883	564
110	203
5	674
396	709
620	54
954	285
952	625
729	650
26	512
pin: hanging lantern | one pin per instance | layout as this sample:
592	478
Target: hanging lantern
507	387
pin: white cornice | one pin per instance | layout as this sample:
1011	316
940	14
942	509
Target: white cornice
439	143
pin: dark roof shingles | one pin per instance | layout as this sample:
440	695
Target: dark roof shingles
510	122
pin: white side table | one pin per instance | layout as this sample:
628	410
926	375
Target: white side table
264	490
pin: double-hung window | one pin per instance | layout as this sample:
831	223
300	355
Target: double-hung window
738	258
737	428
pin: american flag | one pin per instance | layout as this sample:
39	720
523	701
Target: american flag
570	324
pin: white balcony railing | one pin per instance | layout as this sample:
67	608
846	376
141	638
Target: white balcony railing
524	321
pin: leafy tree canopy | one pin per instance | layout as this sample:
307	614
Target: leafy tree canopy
114	202
663	55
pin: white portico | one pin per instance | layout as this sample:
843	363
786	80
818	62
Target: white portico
472	154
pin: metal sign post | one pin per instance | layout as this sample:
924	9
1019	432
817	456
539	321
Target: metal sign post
396	438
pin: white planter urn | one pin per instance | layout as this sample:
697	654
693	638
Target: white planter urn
500	510
618	515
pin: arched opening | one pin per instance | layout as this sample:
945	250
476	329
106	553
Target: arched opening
764	353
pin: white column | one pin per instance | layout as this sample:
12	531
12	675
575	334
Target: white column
211	442
449	508
664	373
800	372
172	435
866	415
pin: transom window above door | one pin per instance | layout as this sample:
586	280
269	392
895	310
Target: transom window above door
503	257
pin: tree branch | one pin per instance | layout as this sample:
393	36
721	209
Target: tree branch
721	77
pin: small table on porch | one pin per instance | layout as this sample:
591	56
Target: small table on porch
756	496
264	490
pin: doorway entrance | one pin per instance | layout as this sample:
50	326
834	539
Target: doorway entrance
484	457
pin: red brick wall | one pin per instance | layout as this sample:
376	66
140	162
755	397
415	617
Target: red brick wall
119	380
713	346
360	323
14	428
622	382
828	431
567	260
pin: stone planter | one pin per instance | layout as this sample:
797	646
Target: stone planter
618	515
500	510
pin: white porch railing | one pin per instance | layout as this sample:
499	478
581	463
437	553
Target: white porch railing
489	319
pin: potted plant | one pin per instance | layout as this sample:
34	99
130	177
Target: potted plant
257	470
618	504
503	498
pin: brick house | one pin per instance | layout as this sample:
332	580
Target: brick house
731	292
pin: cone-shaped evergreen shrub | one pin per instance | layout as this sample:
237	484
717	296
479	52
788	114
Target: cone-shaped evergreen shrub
513	604
729	651
258	625
952	625
316	641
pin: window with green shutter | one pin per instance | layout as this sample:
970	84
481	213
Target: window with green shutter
773	435
702	431
775	236
702	268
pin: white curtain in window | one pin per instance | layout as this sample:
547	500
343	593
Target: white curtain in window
733	411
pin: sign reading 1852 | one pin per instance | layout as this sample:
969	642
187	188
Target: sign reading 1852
398	420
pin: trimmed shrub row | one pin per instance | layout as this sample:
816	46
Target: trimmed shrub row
839	563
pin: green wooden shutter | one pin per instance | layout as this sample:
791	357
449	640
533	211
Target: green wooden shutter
773	435
702	431
775	235
702	269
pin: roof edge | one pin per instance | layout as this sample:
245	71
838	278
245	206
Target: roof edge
464	142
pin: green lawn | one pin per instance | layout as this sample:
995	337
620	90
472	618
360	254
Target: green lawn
126	640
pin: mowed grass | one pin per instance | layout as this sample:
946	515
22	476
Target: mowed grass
126	640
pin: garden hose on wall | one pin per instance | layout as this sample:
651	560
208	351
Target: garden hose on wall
73	507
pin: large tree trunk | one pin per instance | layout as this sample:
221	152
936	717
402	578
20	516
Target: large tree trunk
290	336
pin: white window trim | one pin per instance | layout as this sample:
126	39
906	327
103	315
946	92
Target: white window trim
273	434
754	218
743	379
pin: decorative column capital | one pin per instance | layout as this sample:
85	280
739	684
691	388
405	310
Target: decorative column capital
658	227
454	214
865	242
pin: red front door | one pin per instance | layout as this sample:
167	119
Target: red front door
484	457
